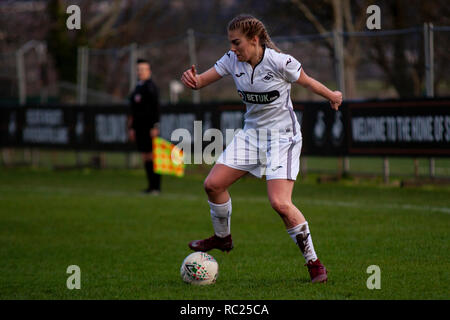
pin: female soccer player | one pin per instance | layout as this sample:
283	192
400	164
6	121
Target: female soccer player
270	142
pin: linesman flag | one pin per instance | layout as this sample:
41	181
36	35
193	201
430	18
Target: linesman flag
167	158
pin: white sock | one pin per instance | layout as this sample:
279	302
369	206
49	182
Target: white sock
301	236
221	218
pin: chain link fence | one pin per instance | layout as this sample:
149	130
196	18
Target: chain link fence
380	64
372	64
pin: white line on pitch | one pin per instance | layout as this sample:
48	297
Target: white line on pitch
258	199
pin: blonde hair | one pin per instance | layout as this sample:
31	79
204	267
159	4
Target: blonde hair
250	27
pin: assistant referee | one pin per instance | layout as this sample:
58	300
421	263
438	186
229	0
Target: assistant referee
143	121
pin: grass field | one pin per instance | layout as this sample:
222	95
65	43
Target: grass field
130	246
399	167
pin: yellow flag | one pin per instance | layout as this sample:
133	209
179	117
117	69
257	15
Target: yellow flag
167	158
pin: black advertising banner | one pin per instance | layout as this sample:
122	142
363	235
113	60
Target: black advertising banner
9	130
108	128
323	129
65	127
35	126
388	127
46	127
410	128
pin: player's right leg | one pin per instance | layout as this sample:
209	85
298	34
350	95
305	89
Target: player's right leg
219	179
216	186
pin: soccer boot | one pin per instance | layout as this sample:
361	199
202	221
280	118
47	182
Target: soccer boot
214	242
317	271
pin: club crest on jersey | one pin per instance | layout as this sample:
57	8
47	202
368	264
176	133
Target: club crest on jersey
268	77
259	97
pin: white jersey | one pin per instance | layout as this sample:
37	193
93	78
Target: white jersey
265	89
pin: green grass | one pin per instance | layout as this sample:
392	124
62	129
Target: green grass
131	246
398	166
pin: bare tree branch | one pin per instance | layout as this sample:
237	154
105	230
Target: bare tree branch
337	13
98	19
349	25
361	18
113	15
312	18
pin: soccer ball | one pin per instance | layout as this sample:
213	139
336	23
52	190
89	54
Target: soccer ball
199	268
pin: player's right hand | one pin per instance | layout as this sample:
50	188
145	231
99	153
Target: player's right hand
190	78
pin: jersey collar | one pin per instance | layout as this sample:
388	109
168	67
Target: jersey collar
262	58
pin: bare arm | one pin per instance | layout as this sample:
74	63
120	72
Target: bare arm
192	80
335	97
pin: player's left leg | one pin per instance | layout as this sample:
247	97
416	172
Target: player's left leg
280	197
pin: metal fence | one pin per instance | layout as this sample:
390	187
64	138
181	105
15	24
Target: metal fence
364	65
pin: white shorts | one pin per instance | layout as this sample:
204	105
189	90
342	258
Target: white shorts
271	153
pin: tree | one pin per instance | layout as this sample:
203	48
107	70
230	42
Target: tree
62	43
343	19
402	59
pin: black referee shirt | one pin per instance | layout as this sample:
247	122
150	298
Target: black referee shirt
144	102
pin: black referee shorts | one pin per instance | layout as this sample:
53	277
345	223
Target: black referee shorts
143	140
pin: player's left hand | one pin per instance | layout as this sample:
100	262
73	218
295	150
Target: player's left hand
336	100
